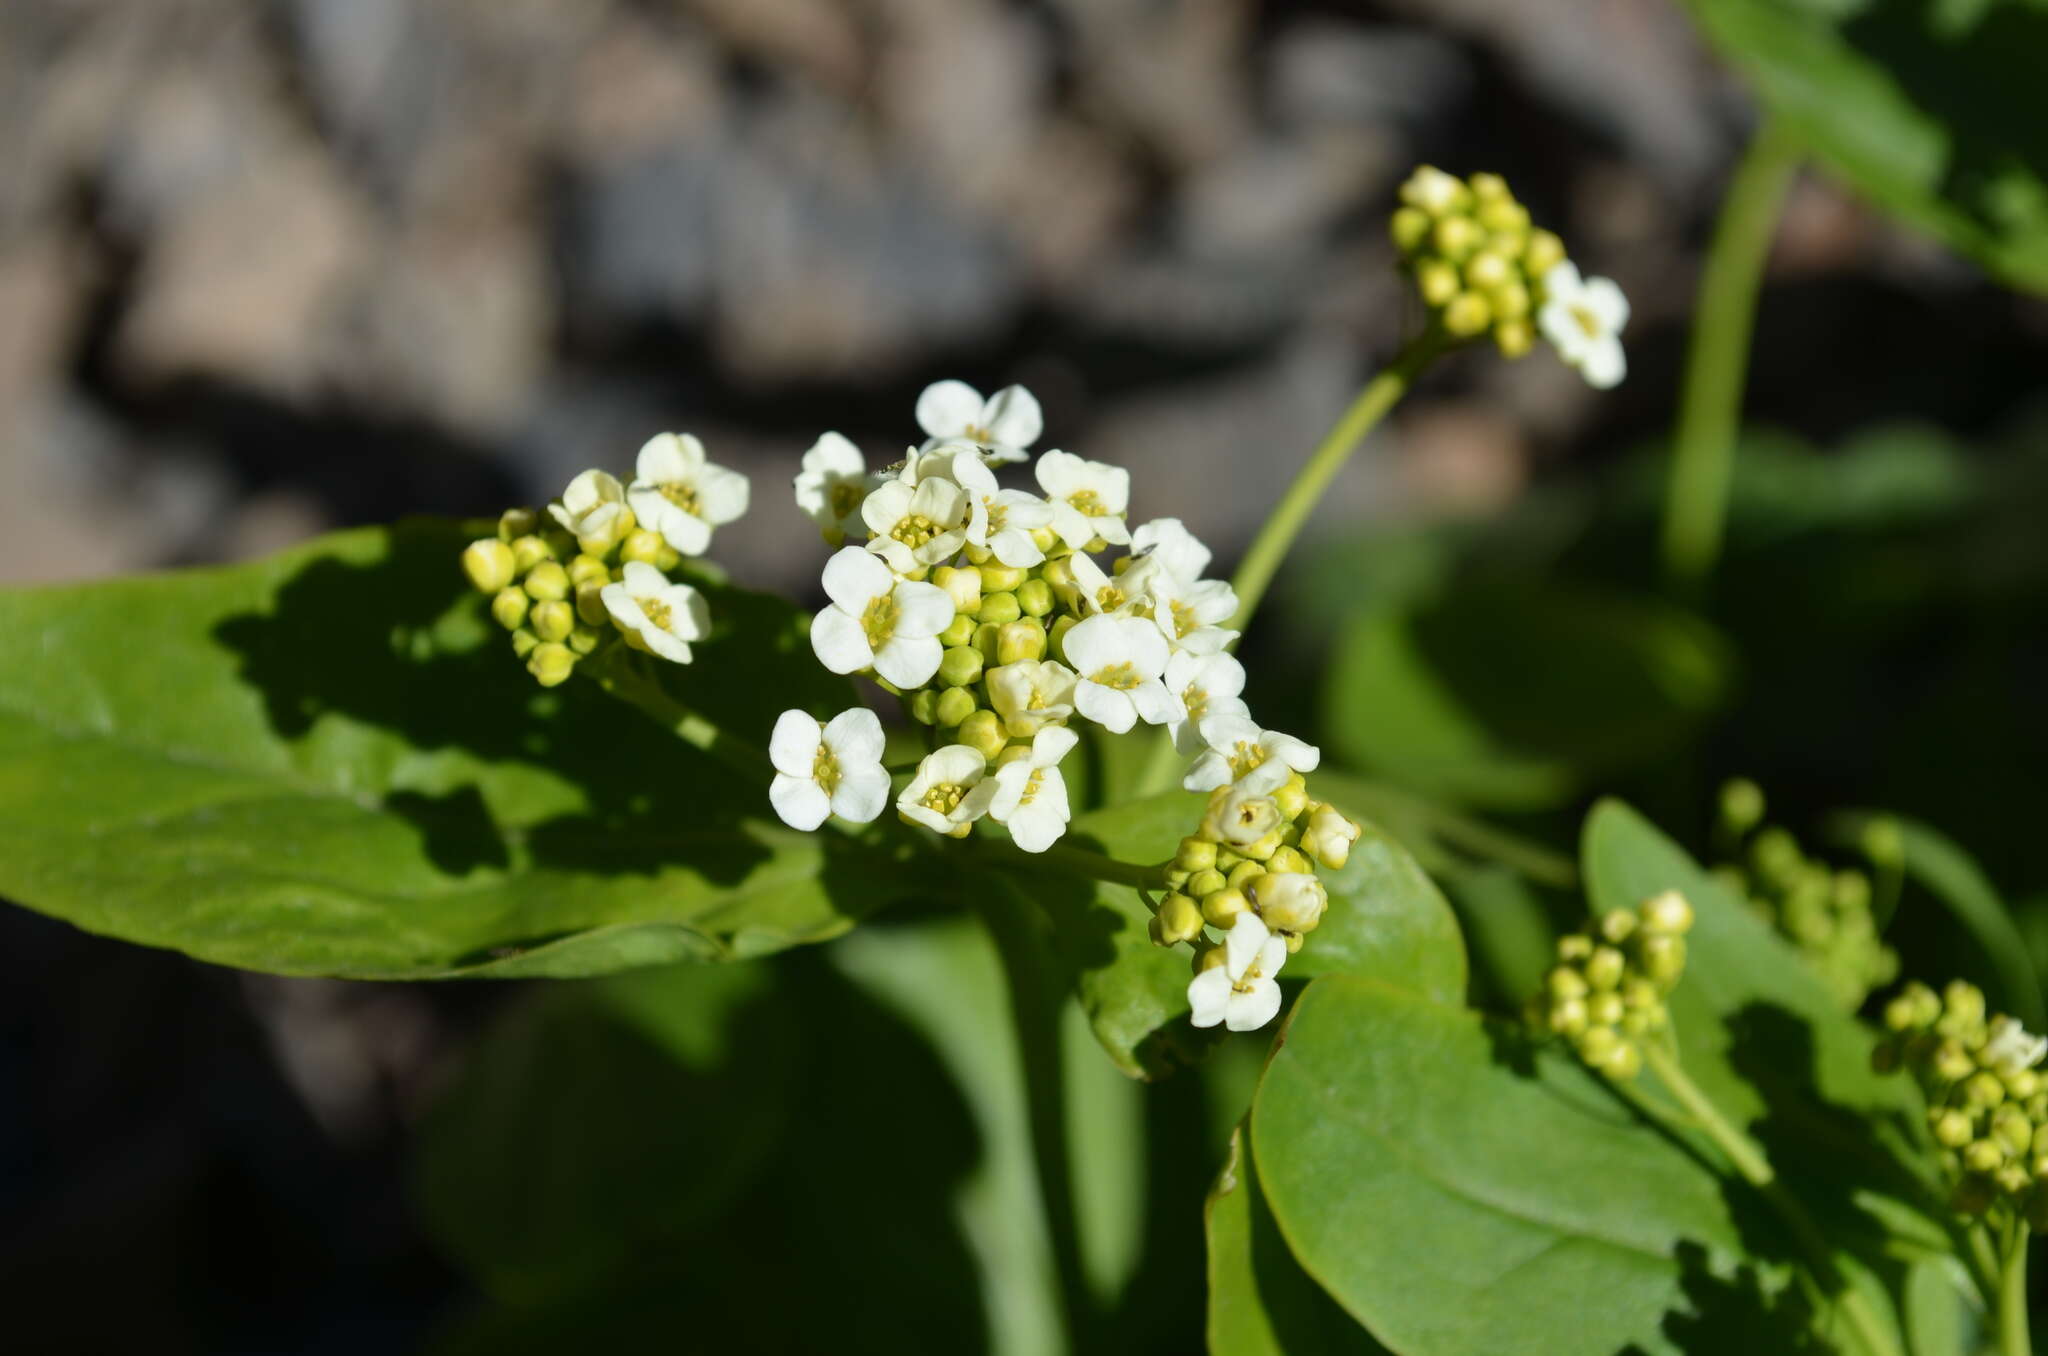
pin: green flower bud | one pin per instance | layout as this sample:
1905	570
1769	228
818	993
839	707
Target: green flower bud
1504	217
1208	958
1467	315
1963	1002
643	546
2013	1128
1565	982
1456	237
1000	608
551	663
1292	797
1180	919
1606	1009
1511	300
1623	1062
1951	1062
508	609
960	666
1983	1089
1514	338
1035	597
924	706
548	582
1001	578
1488	188
988	638
1568	1016
588	569
1195	854
524	642
1409	227
1952	1128
1437	281
590	608
1983	1155
1664	958
1205	883
1243	874
1259	849
984	731
1597	1043
1018	641
1899	1014
1290	860
1488	270
1883	843
1606	967
960	631
1575	947
1668	913
515	523
955	705
1641	995
490	564
552	620
1618	925
1222	907
585	639
1544	252
1742	806
2012	1179
529	551
2022	1084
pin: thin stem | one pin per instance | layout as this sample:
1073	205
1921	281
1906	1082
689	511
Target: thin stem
2014	1339
1525	857
1748	1159
1081	861
1703	448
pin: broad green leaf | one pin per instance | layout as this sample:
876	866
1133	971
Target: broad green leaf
1434	698
1931	110
329	762
1460	1191
1385	918
1261	1303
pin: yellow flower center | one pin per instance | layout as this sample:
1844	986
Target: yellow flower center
1118	677
659	613
1245	756
1031	785
825	769
944	798
1109	598
878	620
1184	619
1587	321
914	530
845	497
997	515
1244	983
1088	504
975	433
682	496
1196	699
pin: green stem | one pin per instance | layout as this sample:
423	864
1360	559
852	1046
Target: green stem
624	675
1525	857
2014	1339
1084	862
1703	448
1748	1160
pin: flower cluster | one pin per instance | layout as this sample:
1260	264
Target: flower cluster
1607	989
1826	913
599	565
1987	1105
1249	872
1481	268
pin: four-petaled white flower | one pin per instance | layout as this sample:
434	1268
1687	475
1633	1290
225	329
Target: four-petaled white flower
1119	663
1002	426
830	767
832	485
1582	318
1190	615
1238	815
677	492
1239	751
1028	795
1240	993
663	617
1088	498
1001	521
879	621
593	510
916	525
2009	1048
1329	836
1099	593
940	795
1168	541
1032	694
1207	685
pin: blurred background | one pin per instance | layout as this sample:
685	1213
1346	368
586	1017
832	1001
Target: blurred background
272	268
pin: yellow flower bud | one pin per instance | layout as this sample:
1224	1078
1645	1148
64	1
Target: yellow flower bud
508	609
490	564
524	642
1000	609
1456	237
1437	281
548	582
1291	860
1055	639
1292	796
1206	882
1510	300
1487	187
1195	854
1544	252
515	523
1669	913
1020	640
1952	1128
960	666
1618	925
1605	968
1514	338
590	608
1597	1043
962	584
1565	982
984	731
955	705
1504	217
1467	315
1664	958
1488	270
1243	874
1623	1062
1000	578
1984	1155
1223	907
1568	1016
1208	958
552	620
1290	901
588	569
1607	1009
584	639
551	663
1410	228
1575	947
643	546
1180	919
529	551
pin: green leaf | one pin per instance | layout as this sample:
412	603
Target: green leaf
1423	698
1459	1191
1931	110
329	762
1385	918
1261	1303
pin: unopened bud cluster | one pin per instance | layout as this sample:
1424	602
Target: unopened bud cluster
598	566
1823	911
1987	1103
1254	852
1607	990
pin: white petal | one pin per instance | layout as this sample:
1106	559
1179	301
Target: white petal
1015	548
835	455
801	802
1604	298
643	580
909	661
1209	995
885	506
689	616
862	793
1225	732
853	579
1272	956
722	494
900	558
1110	709
686	532
1147	649
1012	416
1563	332
793	747
1250	1011
1169	541
946	408
1093	644
1207	773
855	737
1604	364
666	646
1245	940
922	609
1298	754
668	457
954	765
1052	744
839	642
1061	474
1562	280
1155	705
1040	824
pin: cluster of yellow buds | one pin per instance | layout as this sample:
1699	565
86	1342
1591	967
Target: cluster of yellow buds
1987	1105
1256	852
1825	912
1476	259
1607	989
993	682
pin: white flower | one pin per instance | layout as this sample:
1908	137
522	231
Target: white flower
663	617
1169	542
916	525
879	621
1088	498
1190	615
1583	320
938	796
832	484
679	494
1238	815
1099	593
1207	685
1031	694
1239	751
593	509
1240	993
1289	901
1003	425
2009	1049
833	767
1330	835
1027	795
999	520
1119	662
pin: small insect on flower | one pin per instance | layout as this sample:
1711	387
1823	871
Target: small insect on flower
679	493
593	510
1002	426
1239	751
1120	663
1238	989
1028	795
1178	551
830	767
658	616
832	485
1089	498
1583	319
879	621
